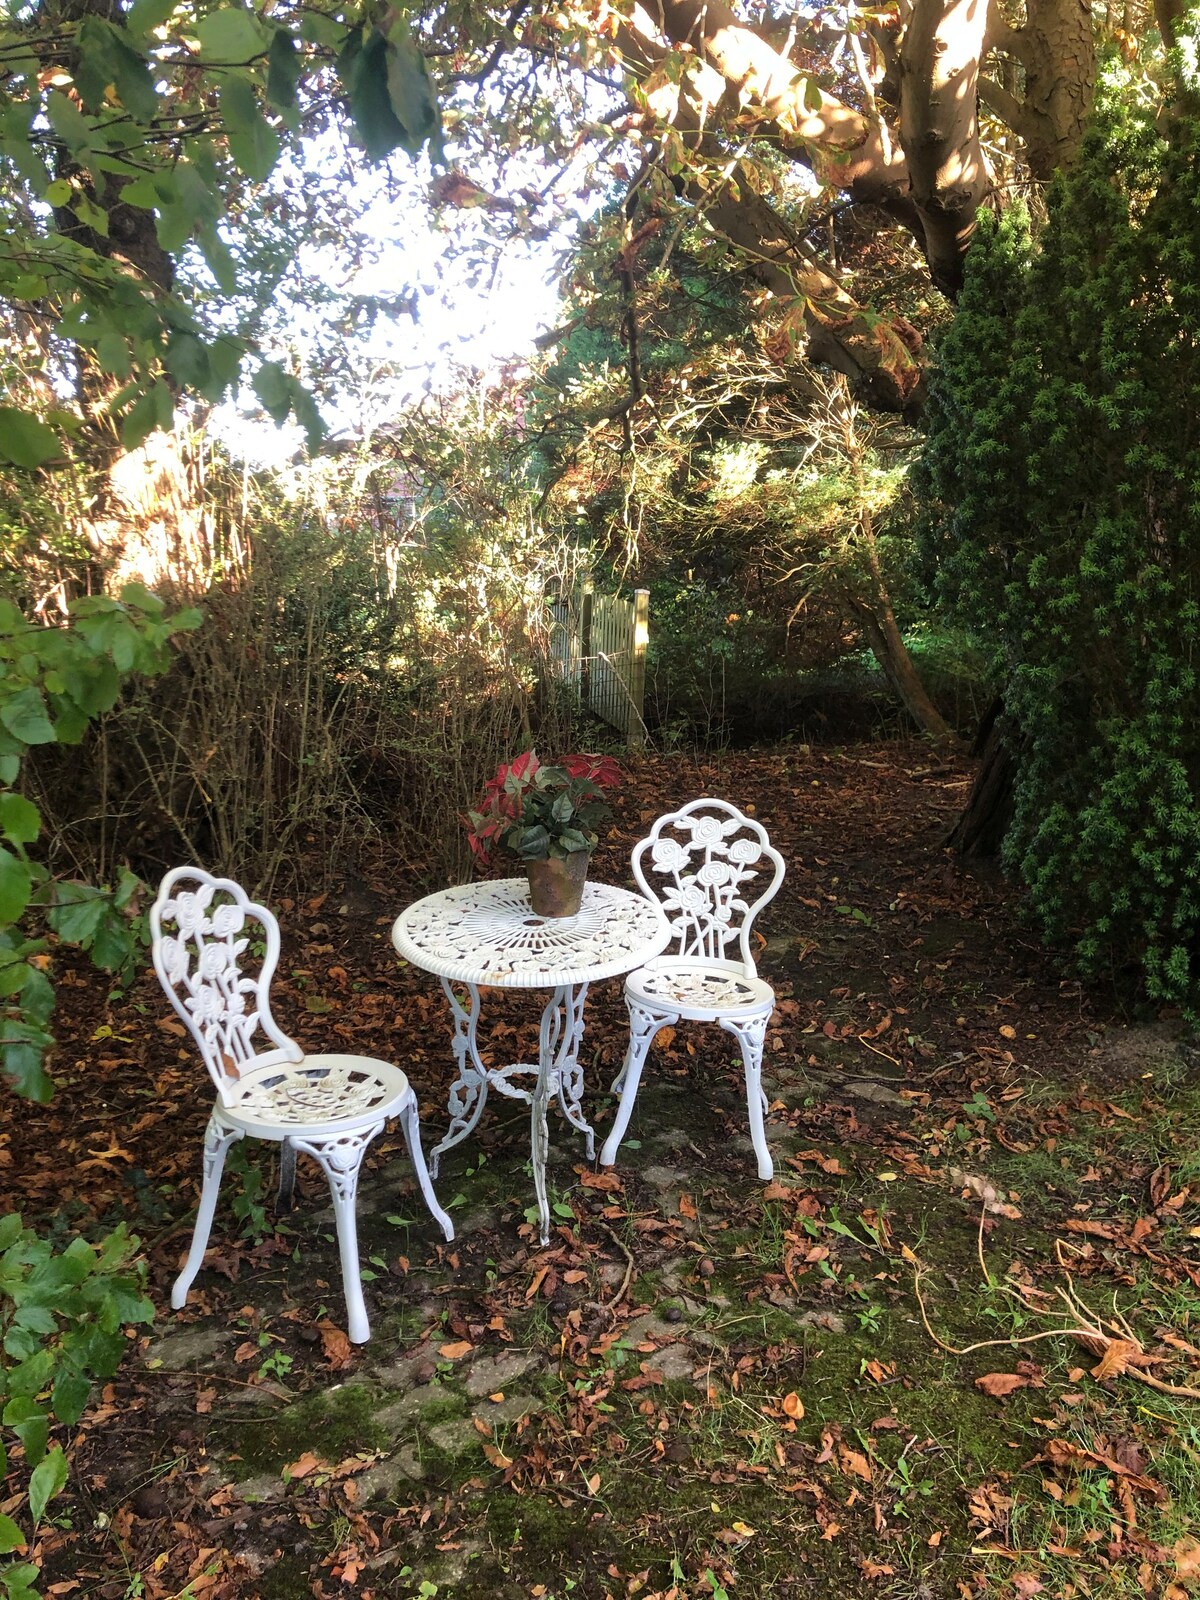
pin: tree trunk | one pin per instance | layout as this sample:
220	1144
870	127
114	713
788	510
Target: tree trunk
1060	82
887	646
939	128
987	815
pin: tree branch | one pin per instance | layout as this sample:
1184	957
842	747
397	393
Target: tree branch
1001	35
939	127
1007	107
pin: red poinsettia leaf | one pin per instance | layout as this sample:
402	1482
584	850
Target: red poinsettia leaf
525	766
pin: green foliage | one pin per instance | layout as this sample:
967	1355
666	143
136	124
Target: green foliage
53	683
128	142
62	1316
1064	472
61	1312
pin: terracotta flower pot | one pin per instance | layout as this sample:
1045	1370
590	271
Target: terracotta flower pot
556	884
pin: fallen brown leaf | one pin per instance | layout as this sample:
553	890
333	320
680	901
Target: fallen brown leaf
1000	1384
336	1346
303	1466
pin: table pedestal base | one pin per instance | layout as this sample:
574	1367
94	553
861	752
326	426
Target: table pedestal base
557	1071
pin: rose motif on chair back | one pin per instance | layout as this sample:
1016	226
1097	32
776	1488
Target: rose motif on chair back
201	935
711	869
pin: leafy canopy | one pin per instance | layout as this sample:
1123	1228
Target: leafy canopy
129	140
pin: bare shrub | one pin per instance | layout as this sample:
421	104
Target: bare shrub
350	679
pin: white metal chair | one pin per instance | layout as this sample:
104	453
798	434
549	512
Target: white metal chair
330	1106
702	859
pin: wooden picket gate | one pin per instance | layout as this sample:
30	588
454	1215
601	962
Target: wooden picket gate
598	642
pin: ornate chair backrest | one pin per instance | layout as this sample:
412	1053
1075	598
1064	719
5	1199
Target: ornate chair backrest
201	928
701	861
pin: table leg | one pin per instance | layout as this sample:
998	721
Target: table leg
469	1092
568	1072
559	1038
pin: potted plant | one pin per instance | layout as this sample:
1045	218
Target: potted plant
547	815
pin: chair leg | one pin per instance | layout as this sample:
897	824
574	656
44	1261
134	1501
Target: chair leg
749	1034
643	1025
287	1178
218	1136
341	1160
411	1127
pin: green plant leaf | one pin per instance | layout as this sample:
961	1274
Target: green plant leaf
146	15
230	34
139	422
19	818
410	90
34	1430
79	913
283	70
48	1478
255	150
273	387
24	715
22	1064
363	68
16	885
68	121
18	1581
70	1397
26	441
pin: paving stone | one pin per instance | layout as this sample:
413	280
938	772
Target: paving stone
489	1374
666	1177
501	1412
388	1476
188	1347
829	1321
878	1093
652	1325
674	1361
669	1139
480	1219
411	1407
262	1487
455	1436
398	1374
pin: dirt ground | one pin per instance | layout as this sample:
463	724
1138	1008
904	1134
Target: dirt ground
705	1387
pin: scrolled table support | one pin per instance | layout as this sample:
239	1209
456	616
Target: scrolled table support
468	1094
568	1003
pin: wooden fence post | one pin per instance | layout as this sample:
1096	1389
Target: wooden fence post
637	668
585	641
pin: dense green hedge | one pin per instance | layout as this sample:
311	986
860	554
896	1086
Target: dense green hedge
1062	475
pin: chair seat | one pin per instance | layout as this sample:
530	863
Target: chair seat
699	989
331	1094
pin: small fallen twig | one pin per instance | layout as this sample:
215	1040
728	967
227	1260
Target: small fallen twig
1119	1351
609	1307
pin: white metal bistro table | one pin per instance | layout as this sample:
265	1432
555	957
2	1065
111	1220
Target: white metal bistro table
486	934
